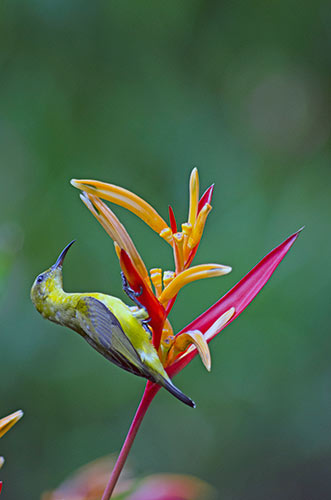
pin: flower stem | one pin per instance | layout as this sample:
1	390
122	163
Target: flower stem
148	396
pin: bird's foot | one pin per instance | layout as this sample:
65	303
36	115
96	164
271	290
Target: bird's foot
131	293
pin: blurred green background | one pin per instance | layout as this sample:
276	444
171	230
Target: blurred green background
138	93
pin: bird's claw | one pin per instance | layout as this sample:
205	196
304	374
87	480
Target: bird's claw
133	296
131	293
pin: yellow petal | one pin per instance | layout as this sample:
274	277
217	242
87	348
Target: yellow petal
166	234
199	226
219	323
183	341
7	422
168	276
116	230
156	278
124	198
178	251
194	196
214	329
186	230
167	340
192	274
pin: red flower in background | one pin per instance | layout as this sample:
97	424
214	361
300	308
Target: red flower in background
88	482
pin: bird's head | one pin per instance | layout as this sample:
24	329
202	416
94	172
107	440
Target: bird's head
48	283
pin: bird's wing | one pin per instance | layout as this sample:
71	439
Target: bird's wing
105	334
103	331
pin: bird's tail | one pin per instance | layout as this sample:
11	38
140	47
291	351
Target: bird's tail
167	384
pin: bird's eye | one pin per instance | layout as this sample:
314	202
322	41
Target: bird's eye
40	278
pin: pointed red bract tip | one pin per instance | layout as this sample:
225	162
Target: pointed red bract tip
239	297
206	197
172	219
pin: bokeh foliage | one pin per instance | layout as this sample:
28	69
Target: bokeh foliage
137	93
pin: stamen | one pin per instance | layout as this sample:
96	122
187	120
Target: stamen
192	274
167	333
194	196
167	339
168	276
156	277
124	198
166	234
187	230
183	341
7	422
199	226
179	256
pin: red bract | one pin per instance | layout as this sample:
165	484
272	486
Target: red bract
239	297
173	223
206	197
156	311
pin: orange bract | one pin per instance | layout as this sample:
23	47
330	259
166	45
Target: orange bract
124	198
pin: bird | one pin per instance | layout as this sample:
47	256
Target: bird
114	329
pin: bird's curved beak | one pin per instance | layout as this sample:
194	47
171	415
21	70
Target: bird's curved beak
59	262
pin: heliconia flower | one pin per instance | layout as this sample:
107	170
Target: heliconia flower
5	424
166	285
184	243
158	290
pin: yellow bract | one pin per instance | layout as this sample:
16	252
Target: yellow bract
194	197
199	226
213	330
156	277
7	422
192	274
183	341
219	323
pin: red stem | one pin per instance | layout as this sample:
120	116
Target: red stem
148	396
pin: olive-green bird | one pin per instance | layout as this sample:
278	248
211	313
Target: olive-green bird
115	330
